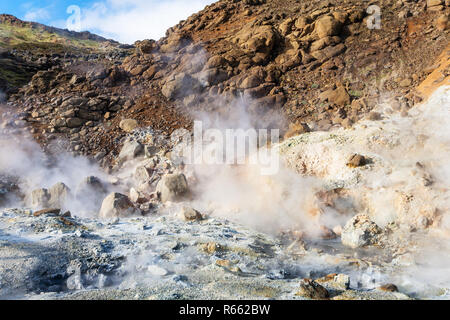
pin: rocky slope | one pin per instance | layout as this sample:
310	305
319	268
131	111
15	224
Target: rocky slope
317	63
29	47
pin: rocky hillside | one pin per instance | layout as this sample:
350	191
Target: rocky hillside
315	62
28	47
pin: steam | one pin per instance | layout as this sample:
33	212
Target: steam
24	161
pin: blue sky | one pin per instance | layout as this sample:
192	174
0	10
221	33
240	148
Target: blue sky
123	20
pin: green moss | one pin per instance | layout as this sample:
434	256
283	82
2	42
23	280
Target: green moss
16	79
355	93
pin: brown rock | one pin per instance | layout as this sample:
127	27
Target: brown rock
302	22
296	129
138	70
74	122
434	3
339	96
312	290
356	161
47	212
388	288
405	83
251	82
327	26
374	116
442	22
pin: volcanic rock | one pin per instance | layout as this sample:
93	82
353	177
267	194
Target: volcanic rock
172	187
59	194
327	26
117	205
130	151
40	198
190	214
356	161
128	125
312	290
360	231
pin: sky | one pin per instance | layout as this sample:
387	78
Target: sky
123	20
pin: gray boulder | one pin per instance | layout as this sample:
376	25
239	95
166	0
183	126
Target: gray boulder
130	151
40	198
117	205
172	187
59	195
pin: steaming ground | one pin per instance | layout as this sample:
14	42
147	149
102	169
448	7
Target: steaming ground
261	234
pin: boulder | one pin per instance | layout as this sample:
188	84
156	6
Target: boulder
137	197
142	174
339	282
117	205
360	231
74	122
96	74
442	22
59	194
90	184
40	198
328	26
172	187
190	214
261	39
150	151
180	86
130	151
128	125
338	96
251	81
145	46
302	22
175	42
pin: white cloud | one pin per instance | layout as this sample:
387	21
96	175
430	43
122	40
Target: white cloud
129	20
37	14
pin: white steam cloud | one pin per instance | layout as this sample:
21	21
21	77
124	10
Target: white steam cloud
130	20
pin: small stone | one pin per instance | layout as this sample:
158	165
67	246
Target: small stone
157	271
356	161
405	83
374	116
190	214
388	287
211	247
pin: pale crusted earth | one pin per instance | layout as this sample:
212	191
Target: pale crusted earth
163	258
